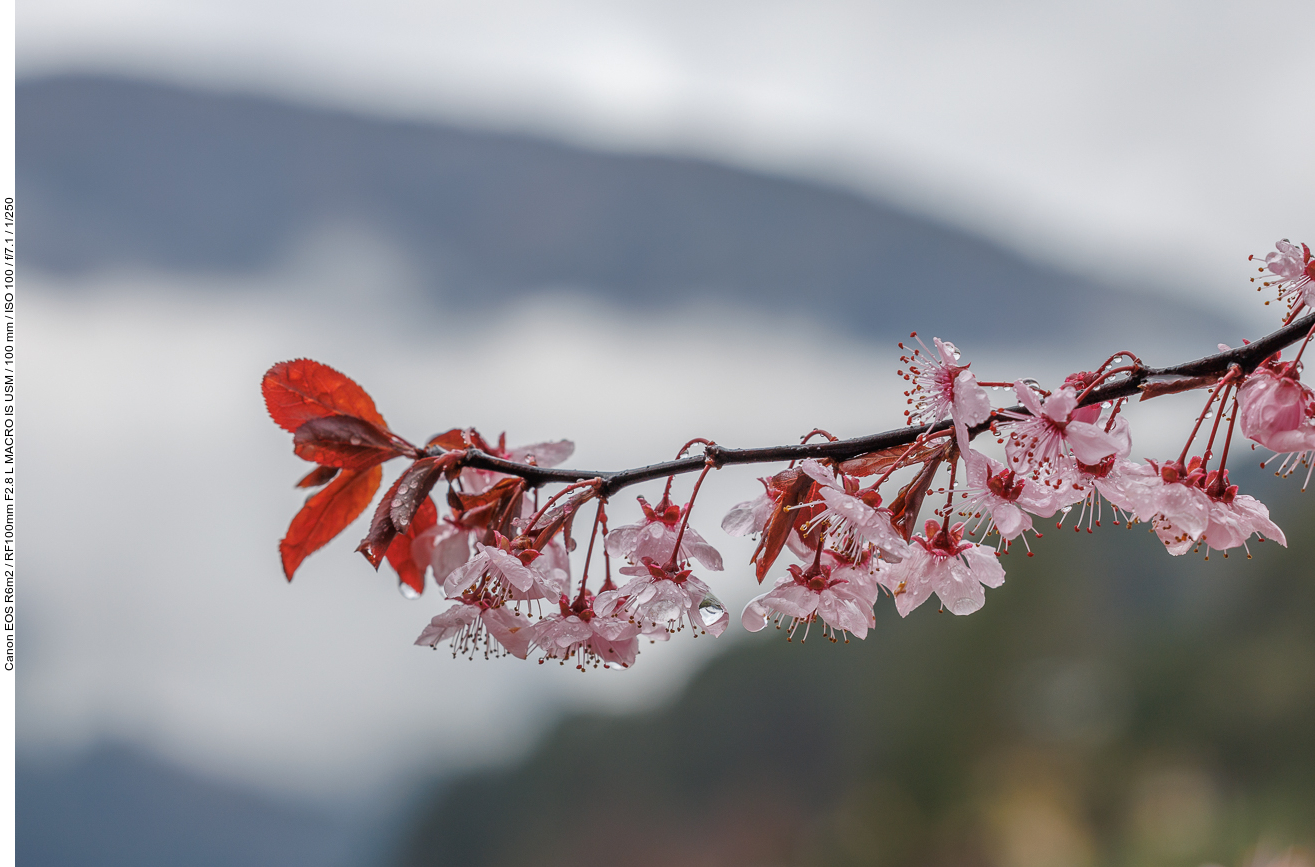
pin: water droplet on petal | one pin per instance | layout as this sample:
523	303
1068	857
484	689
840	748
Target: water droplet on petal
407	590
614	665
711	610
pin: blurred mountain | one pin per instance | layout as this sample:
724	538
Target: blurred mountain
120	173
116	807
1109	706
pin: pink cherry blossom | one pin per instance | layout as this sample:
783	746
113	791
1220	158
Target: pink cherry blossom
1129	487
551	573
943	387
443	547
1295	270
475	623
662	597
655	537
942	563
494	562
577	631
991	488
750	517
852	516
1176	505
1234	517
838	592
1057	428
1277	410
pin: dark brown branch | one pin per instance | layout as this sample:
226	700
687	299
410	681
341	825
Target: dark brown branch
1203	370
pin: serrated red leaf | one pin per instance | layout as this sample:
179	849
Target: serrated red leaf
399	551
326	514
300	390
347	442
318	476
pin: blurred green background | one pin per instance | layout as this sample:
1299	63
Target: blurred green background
1109	706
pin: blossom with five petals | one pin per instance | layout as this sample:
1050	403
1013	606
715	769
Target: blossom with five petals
1295	270
495	562
578	631
661	597
992	487
943	387
942	563
839	592
853	517
474	622
1057	428
655	538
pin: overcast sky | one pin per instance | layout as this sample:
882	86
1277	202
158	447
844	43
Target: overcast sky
1168	136
1173	138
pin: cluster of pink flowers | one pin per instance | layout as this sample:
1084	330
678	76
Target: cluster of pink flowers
503	559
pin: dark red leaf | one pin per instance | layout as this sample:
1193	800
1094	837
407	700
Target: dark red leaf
298	391
408	493
879	462
492	509
791	488
318	476
904	511
326	514
399	551
381	532
346	442
453	439
560	516
414	487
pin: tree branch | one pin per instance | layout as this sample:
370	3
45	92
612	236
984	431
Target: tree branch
1192	374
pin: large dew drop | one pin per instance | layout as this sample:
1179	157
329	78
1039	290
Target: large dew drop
407	590
711	610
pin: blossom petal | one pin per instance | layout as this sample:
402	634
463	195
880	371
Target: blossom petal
972	405
510	629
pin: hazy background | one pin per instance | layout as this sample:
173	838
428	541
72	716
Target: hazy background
668	221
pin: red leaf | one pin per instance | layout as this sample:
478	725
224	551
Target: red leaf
493	509
347	442
318	476
450	440
418	480
791	487
327	513
904	510
877	462
399	551
415	485
381	532
298	391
